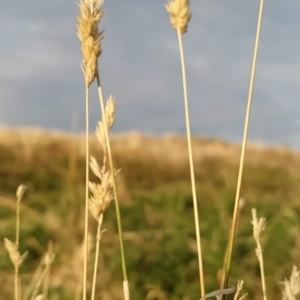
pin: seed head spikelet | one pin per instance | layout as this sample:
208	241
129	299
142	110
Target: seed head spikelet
258	225
291	287
102	194
90	37
180	14
110	109
20	192
14	254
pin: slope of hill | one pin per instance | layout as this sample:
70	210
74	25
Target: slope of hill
156	206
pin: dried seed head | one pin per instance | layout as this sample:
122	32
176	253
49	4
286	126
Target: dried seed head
100	134
14	253
258	225
110	109
90	36
180	14
101	199
95	167
291	287
102	194
20	192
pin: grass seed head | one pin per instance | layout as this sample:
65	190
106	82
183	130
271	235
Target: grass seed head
110	109
180	14
102	194
21	192
258	225
291	287
90	37
14	253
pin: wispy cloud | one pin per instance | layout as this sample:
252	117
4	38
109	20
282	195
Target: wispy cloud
41	82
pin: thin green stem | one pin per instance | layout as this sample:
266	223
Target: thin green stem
191	166
98	237
86	219
111	165
227	264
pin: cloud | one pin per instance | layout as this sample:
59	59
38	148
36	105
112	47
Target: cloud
41	82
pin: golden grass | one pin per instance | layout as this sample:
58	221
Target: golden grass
170	146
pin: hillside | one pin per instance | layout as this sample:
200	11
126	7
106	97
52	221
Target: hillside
156	208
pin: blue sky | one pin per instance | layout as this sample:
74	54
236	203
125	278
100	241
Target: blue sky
41	83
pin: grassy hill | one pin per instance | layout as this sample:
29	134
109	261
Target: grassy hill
157	213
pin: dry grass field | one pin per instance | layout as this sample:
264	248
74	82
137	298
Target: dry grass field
156	206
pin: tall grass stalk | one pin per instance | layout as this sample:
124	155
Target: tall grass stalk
118	214
86	210
180	16
90	37
227	264
187	118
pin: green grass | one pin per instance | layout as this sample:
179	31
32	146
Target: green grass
157	209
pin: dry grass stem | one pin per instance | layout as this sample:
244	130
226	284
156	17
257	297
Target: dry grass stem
108	117
90	37
40	277
77	263
37	286
227	264
48	260
180	16
103	192
86	211
33	281
98	238
291	288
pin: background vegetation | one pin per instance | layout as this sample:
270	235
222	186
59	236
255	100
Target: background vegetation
157	209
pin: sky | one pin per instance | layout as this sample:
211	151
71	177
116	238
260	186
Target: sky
41	83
